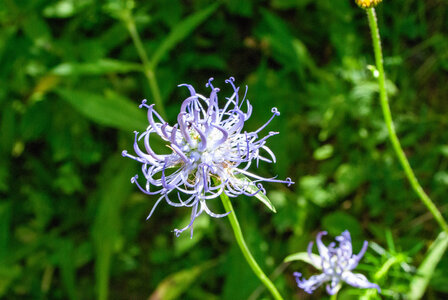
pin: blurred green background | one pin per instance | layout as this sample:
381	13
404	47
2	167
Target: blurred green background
72	226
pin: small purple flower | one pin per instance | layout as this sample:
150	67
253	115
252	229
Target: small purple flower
211	153
336	264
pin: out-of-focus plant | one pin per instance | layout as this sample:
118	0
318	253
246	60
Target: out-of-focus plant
71	225
336	264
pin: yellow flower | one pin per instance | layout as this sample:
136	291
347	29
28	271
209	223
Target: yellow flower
367	3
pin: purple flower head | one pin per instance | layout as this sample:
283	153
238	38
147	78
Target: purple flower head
210	153
336	264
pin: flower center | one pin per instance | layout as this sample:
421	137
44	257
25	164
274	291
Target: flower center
212	154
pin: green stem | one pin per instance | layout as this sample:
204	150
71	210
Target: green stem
385	268
390	126
247	255
371	293
334	297
148	70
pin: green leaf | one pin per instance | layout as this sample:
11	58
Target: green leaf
5	226
37	29
9	274
337	222
184	242
252	188
176	284
303	256
111	110
323	152
114	188
68	270
99	67
180	32
424	273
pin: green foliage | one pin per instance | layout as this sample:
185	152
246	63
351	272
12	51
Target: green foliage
116	111
425	271
176	284
72	226
304	256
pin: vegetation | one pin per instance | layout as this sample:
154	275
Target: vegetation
73	73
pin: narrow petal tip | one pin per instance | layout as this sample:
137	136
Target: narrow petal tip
231	79
143	104
209	83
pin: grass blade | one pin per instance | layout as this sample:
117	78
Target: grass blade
180	32
425	271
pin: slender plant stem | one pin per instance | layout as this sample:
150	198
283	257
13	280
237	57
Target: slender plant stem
334	297
385	268
148	70
277	272
390	125
247	255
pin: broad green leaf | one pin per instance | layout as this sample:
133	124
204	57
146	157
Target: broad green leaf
113	189
37	29
176	284
184	242
67	265
238	282
260	196
276	32
180	32
102	66
110	110
303	256
424	273
338	221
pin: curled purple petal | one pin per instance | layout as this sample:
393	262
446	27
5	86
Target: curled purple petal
359	281
208	142
312	283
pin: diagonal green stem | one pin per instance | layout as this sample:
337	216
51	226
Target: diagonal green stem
148	70
243	246
390	125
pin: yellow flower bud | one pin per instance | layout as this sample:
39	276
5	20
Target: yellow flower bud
367	3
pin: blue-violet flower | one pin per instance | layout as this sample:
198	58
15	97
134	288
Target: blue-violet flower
211	153
336	264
